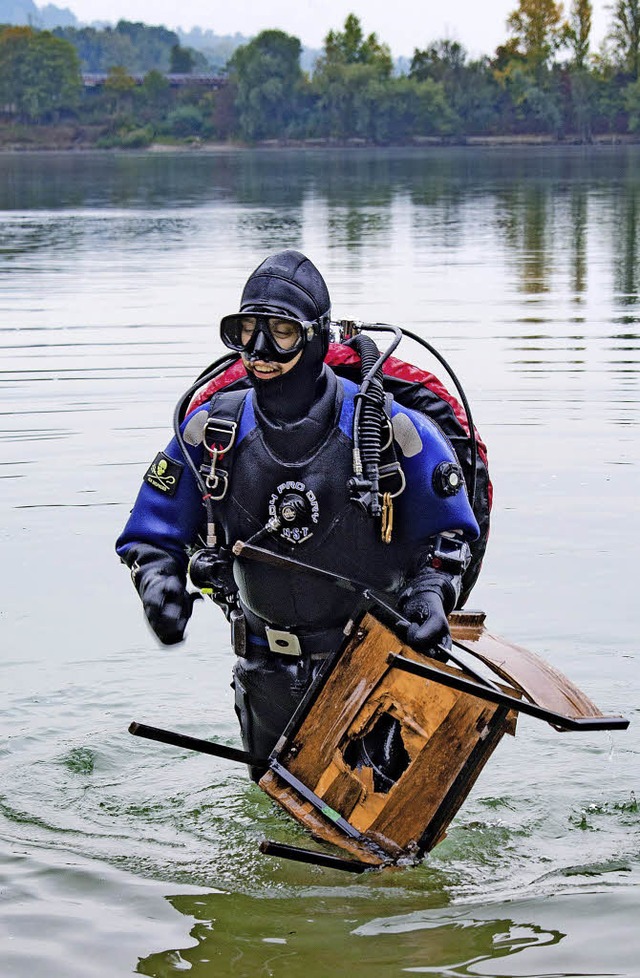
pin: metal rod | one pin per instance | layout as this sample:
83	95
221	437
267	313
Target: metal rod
195	744
299	855
334	817
241	549
497	696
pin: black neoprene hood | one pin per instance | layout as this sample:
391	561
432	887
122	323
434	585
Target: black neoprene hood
287	283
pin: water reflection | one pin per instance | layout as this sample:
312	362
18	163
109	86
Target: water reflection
350	227
578	221
333	932
268	229
626	247
535	230
547	208
285	177
118	266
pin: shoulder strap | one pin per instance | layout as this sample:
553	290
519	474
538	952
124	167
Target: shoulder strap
219	436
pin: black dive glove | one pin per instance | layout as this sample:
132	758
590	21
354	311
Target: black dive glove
211	571
429	627
160	581
429	595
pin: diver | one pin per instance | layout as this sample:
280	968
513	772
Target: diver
274	452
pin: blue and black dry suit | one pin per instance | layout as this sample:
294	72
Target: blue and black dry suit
308	461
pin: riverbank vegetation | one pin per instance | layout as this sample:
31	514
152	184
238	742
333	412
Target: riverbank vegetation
545	81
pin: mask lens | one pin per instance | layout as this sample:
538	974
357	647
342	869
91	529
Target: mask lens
239	332
287	334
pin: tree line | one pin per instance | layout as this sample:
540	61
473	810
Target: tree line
544	79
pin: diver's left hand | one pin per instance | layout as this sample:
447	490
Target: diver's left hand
428	627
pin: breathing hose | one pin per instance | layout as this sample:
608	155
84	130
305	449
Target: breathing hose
399	332
367	426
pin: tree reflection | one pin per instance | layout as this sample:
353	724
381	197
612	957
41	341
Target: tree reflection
523	213
626	228
578	224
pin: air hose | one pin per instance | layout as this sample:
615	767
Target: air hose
347	328
367	422
368	414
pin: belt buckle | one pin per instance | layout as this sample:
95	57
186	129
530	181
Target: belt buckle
283	642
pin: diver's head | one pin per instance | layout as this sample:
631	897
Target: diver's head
282	330
285	310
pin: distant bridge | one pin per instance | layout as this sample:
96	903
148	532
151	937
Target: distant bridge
96	79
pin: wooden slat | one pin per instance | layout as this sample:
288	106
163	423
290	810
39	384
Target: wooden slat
435	832
536	679
320	828
441	727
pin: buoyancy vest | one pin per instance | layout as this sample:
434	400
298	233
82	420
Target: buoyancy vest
421	391
318	522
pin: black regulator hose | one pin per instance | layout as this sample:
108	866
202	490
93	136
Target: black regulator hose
399	332
368	414
473	443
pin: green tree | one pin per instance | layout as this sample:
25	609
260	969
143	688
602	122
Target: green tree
185	120
351	47
351	83
137	47
410	108
581	88
182	60
632	105
119	87
266	76
625	35
39	73
470	87
443	61
153	97
578	31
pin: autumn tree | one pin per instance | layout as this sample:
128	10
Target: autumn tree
536	26
523	66
119	87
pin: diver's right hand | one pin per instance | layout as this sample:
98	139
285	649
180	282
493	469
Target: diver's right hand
160	582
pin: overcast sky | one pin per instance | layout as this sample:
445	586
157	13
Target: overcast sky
403	24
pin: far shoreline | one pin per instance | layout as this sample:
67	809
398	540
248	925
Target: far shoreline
64	141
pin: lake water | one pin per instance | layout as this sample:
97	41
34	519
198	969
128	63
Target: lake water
118	856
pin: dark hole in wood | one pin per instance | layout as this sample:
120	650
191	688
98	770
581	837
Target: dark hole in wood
381	749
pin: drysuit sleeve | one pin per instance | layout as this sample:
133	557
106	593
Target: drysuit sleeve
168	510
438	519
435	498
